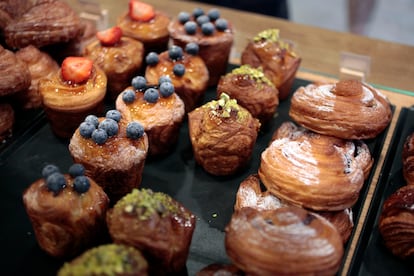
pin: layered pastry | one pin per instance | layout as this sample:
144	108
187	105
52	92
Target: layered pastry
312	170
275	56
12	9
146	24
7	119
107	259
120	57
185	68
211	32
408	159
71	93
223	135
220	269
158	108
396	223
348	109
284	241
252	90
67	211
112	152
156	224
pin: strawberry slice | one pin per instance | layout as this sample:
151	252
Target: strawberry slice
141	11
109	37
76	69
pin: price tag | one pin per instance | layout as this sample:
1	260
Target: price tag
354	66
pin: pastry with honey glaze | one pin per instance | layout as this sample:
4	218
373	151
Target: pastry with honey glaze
348	109
7	119
156	224
223	135
408	159
67	211
284	241
276	57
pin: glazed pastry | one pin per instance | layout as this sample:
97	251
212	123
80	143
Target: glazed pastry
223	135
143	23
40	65
397	220
212	33
349	109
67	211
408	159
71	93
312	170
120	57
252	90
276	57
186	70
7	119
12	9
262	243
158	109
156	224
107	259
220	269
113	152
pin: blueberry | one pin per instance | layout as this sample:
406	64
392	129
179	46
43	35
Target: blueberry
49	169
128	96
190	27
81	184
166	89
99	136
152	58
175	52
164	78
86	129
56	182
207	28
202	19
134	130
179	69
151	95
198	12
92	119
183	17
139	83
114	115
213	14
110	126
76	170
221	24
192	48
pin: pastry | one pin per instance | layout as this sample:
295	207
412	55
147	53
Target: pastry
252	90
157	108
67	211
12	9
107	259
397	220
348	109
284	241
186	70
156	224
120	57
223	135
220	269
112	152
275	56
408	159
146	24
212	33
7	119
71	93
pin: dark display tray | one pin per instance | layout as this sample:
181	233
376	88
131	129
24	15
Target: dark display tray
372	257
211	198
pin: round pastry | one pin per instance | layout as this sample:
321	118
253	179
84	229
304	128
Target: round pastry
112	151
396	223
67	211
252	90
158	109
348	109
275	56
142	22
159	226
223	135
11	10
408	159
107	259
186	70
7	118
220	270
212	33
285	241
120	57
71	93
312	170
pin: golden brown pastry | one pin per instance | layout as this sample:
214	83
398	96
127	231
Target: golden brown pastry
275	56
7	119
156	224
12	9
396	223
408	159
223	135
348	109
220	270
67	211
285	241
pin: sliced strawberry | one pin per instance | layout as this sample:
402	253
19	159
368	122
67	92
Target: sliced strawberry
109	37
76	69
141	11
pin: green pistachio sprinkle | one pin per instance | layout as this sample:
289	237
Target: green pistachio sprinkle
255	73
224	107
267	35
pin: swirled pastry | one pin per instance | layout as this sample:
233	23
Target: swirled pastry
285	241
408	159
348	109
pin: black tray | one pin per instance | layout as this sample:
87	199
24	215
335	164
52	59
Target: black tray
371	256
210	198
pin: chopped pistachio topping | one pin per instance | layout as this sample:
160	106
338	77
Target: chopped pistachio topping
224	107
268	35
254	73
